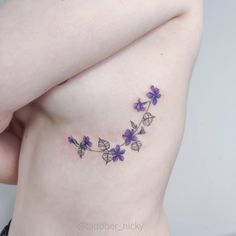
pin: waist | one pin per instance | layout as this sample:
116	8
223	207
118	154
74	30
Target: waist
56	187
155	226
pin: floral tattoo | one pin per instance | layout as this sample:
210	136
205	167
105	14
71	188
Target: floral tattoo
130	136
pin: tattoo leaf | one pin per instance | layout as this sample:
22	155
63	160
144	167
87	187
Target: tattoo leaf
135	146
103	144
148	118
133	125
107	156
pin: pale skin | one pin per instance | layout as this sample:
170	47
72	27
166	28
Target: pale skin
108	53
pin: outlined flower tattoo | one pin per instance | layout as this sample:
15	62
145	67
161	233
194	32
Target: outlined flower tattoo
154	95
117	153
139	106
130	136
85	143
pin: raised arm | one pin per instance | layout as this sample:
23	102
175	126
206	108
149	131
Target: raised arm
43	43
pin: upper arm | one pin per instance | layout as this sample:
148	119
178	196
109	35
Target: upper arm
43	43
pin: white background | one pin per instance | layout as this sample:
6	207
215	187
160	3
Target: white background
201	197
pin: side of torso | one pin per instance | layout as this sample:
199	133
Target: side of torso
58	189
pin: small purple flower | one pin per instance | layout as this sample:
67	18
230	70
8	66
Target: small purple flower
154	95
72	140
85	143
129	136
117	153
142	131
139	106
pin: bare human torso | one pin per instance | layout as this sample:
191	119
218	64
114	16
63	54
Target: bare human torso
60	193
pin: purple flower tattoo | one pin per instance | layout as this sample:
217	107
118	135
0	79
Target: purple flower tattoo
154	95
117	153
72	140
142	131
130	136
85	144
139	106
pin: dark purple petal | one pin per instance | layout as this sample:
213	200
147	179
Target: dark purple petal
142	131
127	142
132	131
121	158
113	151
115	158
150	95
152	88
155	90
127	133
72	140
82	146
154	100
117	149
85	144
139	106
122	151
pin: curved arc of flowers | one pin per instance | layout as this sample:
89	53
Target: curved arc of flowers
136	131
107	151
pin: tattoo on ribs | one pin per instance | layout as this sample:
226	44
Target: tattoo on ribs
130	136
